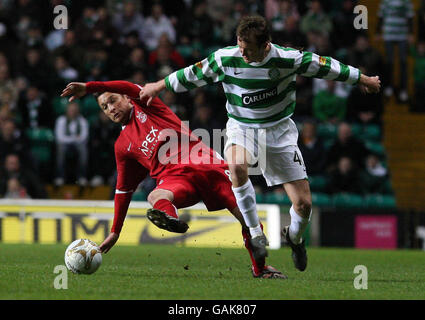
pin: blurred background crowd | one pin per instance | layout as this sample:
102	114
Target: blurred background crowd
46	142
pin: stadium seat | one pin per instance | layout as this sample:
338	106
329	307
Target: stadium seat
321	199
277	198
59	105
327	143
326	131
356	130
371	132
348	200
318	183
380	201
376	147
259	197
42	153
388	188
185	50
89	107
41	146
40	135
139	196
371	183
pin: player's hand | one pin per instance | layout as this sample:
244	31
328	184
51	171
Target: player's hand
75	90
370	84
151	90
109	242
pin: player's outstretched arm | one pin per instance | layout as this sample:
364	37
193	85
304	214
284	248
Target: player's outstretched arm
370	84
75	90
151	90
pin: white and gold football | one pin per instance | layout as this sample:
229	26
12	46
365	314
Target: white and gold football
83	256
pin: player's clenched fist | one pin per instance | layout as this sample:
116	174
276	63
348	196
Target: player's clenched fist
370	84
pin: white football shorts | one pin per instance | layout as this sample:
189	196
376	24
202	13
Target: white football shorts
273	150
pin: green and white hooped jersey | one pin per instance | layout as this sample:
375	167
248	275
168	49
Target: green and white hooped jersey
259	94
395	16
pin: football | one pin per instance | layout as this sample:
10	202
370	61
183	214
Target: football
83	256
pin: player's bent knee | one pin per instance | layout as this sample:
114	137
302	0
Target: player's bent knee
152	198
239	171
159	194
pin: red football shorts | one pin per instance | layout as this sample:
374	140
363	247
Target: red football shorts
191	184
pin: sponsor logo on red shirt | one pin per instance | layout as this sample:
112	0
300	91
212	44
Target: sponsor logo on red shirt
141	116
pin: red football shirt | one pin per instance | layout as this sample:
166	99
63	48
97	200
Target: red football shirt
152	141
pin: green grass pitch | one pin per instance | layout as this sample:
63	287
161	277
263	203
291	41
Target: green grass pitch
159	272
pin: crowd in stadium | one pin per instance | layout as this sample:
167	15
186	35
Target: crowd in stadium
44	138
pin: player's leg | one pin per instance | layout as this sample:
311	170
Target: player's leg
218	194
160	194
162	199
285	166
403	49
299	193
238	158
241	150
259	267
300	211
164	213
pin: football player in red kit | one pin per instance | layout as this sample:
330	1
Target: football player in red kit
139	150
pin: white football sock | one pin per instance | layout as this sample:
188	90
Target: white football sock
256	231
297	226
245	198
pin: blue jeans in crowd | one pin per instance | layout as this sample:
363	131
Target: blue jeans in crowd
390	61
65	150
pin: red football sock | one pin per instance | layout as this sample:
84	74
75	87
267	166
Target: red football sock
257	264
166	206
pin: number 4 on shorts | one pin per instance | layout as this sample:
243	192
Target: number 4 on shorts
297	158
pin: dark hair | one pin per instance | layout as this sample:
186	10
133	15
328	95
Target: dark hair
97	94
256	27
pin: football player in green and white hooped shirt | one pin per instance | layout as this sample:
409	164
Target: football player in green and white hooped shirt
258	78
396	24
